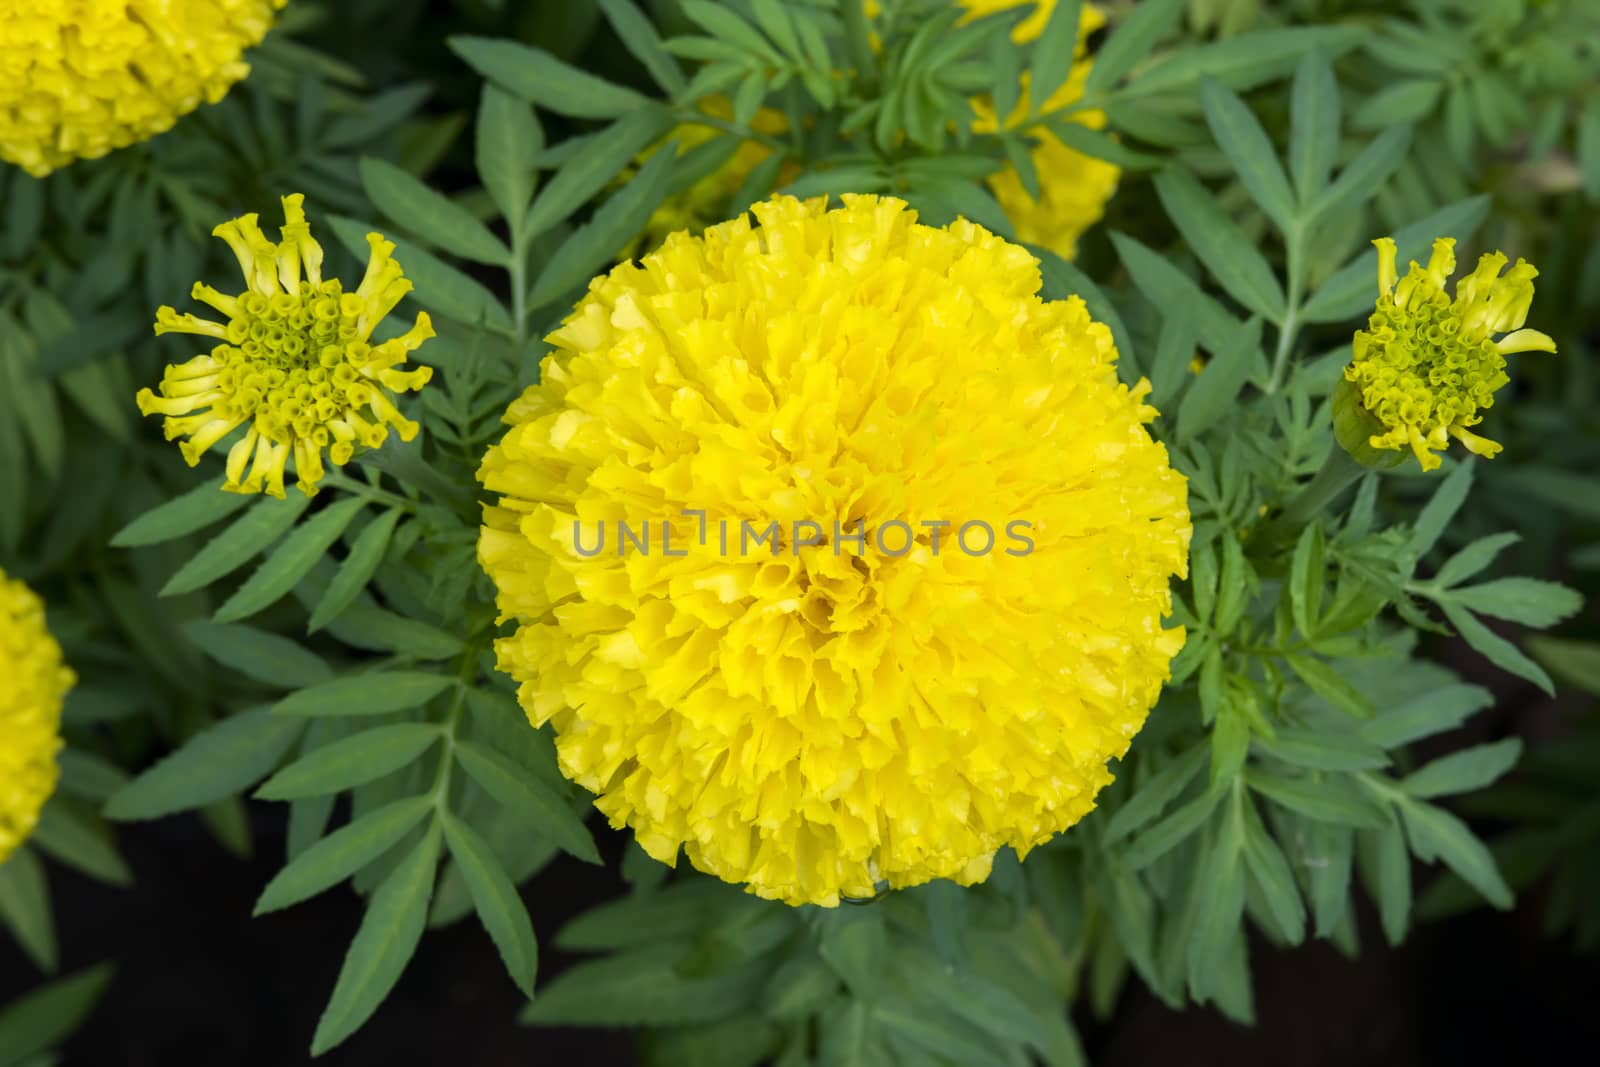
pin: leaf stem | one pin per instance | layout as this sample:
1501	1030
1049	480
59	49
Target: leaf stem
1294	240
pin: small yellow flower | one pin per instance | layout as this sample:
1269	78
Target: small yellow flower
707	200
33	683
874	698
1426	365
79	78
294	360
1073	188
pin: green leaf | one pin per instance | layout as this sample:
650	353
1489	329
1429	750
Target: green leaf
439	286
365	625
855	945
38	1022
595	244
257	654
80	841
1324	750
673	912
1474	558
641	39
1353	289
1577	662
1216	390
1431	712
1255	161
603	156
25	907
1327	855
291	561
1096	144
1313	125
343	853
1589	148
507	144
1171	831
388	938
1269	869
214	764
1440	509
1364	177
356	570
1133	40
526	796
1218	903
1218	243
1437	834
194	510
431	216
1242	62
1524	600
1393	871
352	761
1050	57
1307	578
495	897
258	528
1331	686
365	694
1333	799
1496	649
1152	796
1167	286
1403	101
642	988
1464	771
540	78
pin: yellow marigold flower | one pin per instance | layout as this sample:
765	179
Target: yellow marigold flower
707	200
34	684
1426	365
862	696
1073	187
294	360
79	78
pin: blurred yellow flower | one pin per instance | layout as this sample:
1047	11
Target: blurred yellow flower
294	360
875	691
79	78
34	684
1426	365
1073	187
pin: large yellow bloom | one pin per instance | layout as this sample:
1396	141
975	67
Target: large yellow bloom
33	683
878	698
79	78
1073	187
1426	365
294	361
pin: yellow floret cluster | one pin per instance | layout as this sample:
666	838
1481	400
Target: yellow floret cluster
1427	365
870	703
80	78
33	683
294	361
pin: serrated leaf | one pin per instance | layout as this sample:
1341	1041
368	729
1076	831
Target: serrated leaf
1474	558
258	528
429	215
1432	712
1440	509
356	570
1496	649
604	155
498	905
528	797
1152	796
1331	686
1132	40
194	510
507	142
1215	391
1437	834
1524	600
79	840
854	943
1244	142
439	286
1313	125
257	654
343	853
1050	56
1165	285
25	907
1218	243
1323	750
540	78
642	988
1307	578
1393	876
352	761
1464	771
385	943
214	764
1333	799
1364	177
1269	869
640	38
39	1021
290	561
365	694
1175	828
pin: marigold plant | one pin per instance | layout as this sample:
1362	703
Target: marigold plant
35	681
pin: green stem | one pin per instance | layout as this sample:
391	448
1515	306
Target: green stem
465	673
859	37
1294	241
381	496
1339	473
